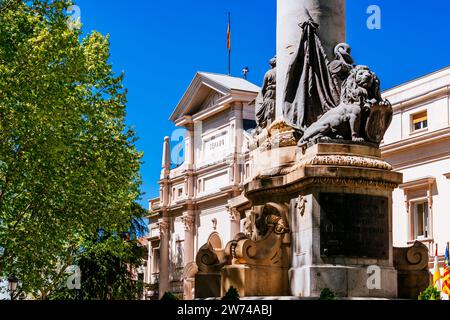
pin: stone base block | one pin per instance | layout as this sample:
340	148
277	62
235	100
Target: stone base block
344	281
207	285
412	283
255	280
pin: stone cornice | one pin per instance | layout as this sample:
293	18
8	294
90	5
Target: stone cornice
416	141
418	183
439	92
347	171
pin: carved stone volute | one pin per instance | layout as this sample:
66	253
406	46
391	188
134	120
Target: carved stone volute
272	248
211	257
414	257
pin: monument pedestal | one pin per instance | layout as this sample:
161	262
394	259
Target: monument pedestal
340	217
207	285
343	280
254	281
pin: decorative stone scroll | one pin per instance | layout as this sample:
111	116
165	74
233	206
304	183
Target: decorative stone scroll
412	258
413	275
270	249
210	258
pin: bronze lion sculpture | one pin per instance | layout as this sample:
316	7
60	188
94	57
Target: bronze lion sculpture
360	95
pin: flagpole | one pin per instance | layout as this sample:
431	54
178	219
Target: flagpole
229	44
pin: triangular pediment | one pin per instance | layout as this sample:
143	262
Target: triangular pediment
206	91
211	100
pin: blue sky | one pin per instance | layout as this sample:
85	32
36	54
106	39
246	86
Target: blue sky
160	45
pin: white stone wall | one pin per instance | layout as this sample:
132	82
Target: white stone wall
438	118
206	227
428	92
406	150
176	250
213	139
441	203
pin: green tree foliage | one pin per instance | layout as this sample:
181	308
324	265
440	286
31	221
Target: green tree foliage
231	294
327	294
109	266
430	293
68	164
169	296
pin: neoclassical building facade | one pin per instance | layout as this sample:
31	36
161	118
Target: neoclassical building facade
201	200
417	144
216	114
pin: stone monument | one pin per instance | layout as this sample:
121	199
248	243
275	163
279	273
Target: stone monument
321	195
260	265
332	179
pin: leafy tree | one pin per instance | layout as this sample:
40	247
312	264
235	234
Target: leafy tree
108	266
68	163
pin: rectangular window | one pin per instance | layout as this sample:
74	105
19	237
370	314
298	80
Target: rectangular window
247	170
180	192
421	220
419	121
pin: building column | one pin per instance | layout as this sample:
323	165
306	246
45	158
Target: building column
164	229
189	227
149	263
235	222
189	161
238	144
165	174
189	144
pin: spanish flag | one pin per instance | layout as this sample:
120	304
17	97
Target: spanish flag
437	270
446	277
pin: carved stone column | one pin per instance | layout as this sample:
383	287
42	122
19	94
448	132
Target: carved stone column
238	143
149	263
165	173
235	222
329	14
189	227
164	229
189	142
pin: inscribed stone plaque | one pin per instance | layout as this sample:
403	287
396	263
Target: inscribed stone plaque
354	225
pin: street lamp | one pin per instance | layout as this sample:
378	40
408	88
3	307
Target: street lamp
245	72
12	284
